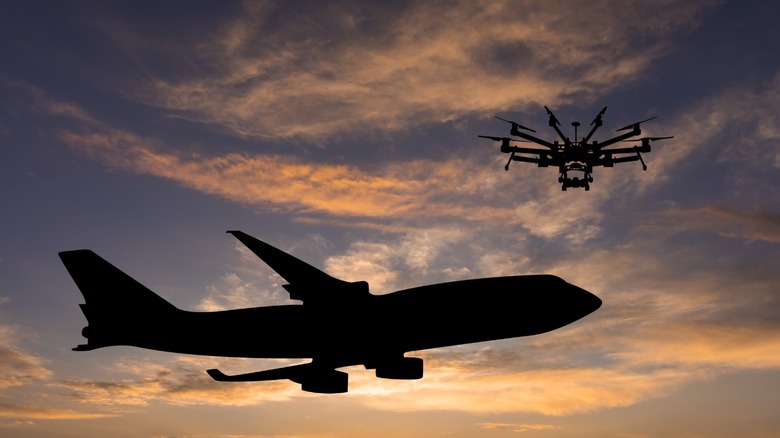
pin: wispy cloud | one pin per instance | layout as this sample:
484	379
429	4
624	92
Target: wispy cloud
406	192
18	367
399	191
45	413
706	347
728	222
182	381
648	340
392	69
516	427
22	371
737	128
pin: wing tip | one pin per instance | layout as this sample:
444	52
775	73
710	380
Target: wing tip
217	375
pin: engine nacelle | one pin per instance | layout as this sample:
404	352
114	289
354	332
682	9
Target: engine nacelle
323	381
405	368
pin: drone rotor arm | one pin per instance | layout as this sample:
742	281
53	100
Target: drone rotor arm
536	140
630	150
622	137
596	123
637	157
532	151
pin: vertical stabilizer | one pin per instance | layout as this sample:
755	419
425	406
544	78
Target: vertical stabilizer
119	309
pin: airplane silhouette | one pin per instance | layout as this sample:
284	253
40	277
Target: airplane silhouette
339	324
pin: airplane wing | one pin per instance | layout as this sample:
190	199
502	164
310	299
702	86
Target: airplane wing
312	377
305	282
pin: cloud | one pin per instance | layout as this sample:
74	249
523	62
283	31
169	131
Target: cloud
45	413
43	103
408	192
447	386
665	323
640	365
233	292
500	379
389	69
706	346
402	262
732	135
278	182
18	367
516	427
25	372
549	391
182	381
724	221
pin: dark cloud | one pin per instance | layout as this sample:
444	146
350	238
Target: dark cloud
725	221
503	58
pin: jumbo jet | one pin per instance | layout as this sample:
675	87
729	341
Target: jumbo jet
338	324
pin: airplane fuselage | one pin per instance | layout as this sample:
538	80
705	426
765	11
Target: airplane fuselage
354	332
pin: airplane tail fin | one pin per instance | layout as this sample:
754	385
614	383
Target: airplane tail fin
119	309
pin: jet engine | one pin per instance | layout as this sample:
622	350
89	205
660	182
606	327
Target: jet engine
405	368
323	381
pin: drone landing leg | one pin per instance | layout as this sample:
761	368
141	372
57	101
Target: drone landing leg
644	166
510	160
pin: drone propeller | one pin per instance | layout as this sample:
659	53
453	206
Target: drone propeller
553	120
631	126
507	139
597	120
515	124
650	138
596	123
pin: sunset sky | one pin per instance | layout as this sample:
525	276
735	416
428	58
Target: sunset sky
346	133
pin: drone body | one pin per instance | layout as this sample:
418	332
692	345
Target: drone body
579	155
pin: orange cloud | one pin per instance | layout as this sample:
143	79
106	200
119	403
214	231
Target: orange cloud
516	427
183	381
405	192
18	367
544	391
427	63
705	346
45	413
726	222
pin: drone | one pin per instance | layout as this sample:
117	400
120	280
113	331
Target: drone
580	155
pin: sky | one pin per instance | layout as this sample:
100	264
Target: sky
346	133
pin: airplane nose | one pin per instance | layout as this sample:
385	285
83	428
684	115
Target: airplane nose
588	302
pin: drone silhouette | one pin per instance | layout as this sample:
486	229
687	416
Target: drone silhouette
579	155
